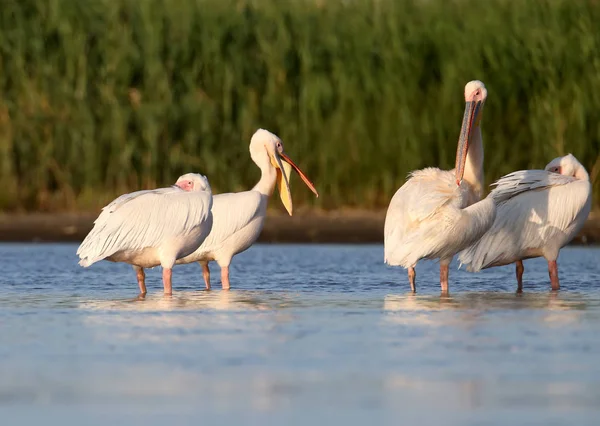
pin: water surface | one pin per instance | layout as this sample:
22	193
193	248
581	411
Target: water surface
310	334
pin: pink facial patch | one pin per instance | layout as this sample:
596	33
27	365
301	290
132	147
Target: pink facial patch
186	185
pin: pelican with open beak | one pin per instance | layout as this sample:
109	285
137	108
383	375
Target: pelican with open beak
283	168
238	218
438	213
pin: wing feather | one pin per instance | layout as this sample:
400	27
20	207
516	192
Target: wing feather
231	212
515	183
424	195
144	219
537	213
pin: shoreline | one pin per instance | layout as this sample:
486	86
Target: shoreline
342	227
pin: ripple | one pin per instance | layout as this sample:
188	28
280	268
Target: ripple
307	333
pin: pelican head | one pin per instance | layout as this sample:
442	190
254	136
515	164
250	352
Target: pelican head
568	166
193	182
263	142
475	96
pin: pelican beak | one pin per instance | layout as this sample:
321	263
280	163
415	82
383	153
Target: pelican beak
471	118
284	168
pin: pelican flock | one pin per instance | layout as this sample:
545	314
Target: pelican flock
239	217
152	227
538	212
438	213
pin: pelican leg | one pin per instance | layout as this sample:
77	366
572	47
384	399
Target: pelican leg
225	277
167	273
141	278
444	277
412	276
553	272
205	274
520	269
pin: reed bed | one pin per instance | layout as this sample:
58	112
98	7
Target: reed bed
100	97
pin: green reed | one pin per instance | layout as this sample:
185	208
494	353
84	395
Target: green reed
100	97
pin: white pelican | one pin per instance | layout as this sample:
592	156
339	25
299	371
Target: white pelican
239	217
437	213
538	212
152	227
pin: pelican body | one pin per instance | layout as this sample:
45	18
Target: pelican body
438	213
238	218
538	213
152	227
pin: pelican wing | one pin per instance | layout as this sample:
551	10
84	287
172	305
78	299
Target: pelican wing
144	219
516	183
431	189
422	215
536	211
231	212
125	198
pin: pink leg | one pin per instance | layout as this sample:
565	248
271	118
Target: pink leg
141	279
444	278
167	274
412	276
519	271
553	272
206	275
225	277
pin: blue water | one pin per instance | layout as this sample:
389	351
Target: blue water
309	335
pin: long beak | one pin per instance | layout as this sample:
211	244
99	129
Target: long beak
300	172
470	117
283	183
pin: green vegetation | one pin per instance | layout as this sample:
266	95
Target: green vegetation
101	97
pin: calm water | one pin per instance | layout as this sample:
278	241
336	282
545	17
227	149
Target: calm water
310	335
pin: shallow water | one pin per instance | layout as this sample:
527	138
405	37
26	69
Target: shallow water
310	334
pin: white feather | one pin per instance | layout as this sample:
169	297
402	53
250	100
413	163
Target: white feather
428	218
238	219
170	221
537	213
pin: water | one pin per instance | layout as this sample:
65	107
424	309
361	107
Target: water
311	334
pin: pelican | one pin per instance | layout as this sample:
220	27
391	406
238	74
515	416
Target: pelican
538	213
437	213
152	227
239	217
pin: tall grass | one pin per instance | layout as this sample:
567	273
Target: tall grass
100	97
